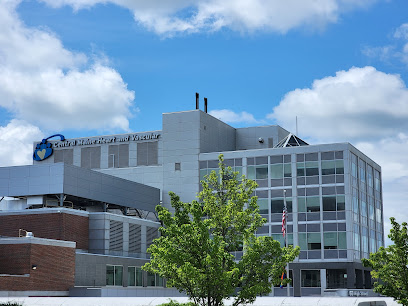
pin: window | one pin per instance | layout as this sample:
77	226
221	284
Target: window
258	172
309	241
335	240
135	276
353	165
277	205
377	181
334	203
177	166
64	156
309	204
332	167
279	237
154	280
280	167
309	168
310	278
147	153
263	206
362	166
91	157
336	278
118	156
114	275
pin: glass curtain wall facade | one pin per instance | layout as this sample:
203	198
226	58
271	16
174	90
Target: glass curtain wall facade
334	207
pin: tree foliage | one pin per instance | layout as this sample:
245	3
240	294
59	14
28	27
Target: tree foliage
195	251
390	265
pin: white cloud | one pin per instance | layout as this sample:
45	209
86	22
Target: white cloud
402	31
55	88
358	104
169	17
230	116
397	50
16	143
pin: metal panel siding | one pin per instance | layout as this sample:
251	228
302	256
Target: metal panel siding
135	238
151	234
116	236
64	156
123	156
142	153
152	150
95	153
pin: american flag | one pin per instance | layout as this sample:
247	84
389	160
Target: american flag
284	222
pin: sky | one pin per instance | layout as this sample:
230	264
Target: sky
97	67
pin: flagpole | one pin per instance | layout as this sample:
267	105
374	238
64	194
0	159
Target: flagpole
286	237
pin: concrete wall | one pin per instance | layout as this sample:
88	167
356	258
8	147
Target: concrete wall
91	268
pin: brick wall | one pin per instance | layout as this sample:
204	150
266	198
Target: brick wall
59	226
55	267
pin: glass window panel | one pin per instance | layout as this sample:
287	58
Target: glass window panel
277	159
330	240
159	281
339	167
301	204
251	172
328	167
341	202
203	172
261	173
313	238
277	205
139	276
313	204
342	240
118	275
300	169
131	276
110	275
329	203
356	242
239	174
276	171
151	279
312	168
363	208
287	170
302	241
263	206
327	155
371	211
279	237
310	278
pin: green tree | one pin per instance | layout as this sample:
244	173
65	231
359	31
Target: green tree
390	265
195	251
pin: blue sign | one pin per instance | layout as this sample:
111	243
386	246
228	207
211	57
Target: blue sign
44	150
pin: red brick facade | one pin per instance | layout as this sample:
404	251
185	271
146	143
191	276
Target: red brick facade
55	267
59	226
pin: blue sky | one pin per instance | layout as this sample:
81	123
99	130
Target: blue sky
91	67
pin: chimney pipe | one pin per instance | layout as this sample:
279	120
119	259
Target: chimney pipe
197	96
205	104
